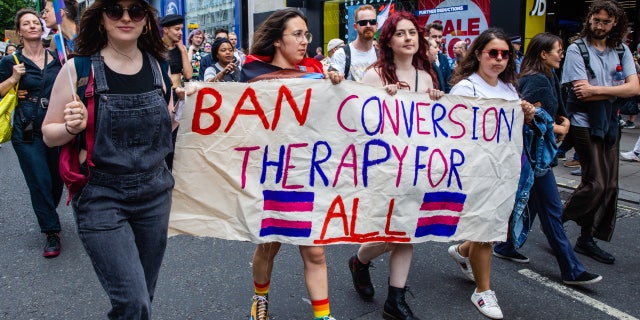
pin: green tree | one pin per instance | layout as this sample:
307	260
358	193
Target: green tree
8	9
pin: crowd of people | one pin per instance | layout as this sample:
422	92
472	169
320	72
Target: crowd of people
137	65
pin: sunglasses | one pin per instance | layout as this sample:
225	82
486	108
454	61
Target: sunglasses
116	11
364	22
493	53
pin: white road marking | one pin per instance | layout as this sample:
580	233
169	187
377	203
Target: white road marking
577	295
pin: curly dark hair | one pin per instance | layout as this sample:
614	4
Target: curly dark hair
613	9
470	64
271	30
91	37
385	64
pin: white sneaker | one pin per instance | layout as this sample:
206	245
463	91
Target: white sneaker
629	156
487	304
461	261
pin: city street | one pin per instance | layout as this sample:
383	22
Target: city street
207	278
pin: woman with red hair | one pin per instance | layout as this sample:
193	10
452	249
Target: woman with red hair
402	64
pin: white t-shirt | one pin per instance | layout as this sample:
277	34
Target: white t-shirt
475	86
360	61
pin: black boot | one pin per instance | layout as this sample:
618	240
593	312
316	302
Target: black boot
361	278
396	308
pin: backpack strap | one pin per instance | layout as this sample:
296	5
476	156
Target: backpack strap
89	97
347	60
620	51
585	56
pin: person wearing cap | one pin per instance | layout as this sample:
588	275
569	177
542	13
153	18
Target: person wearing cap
332	47
179	61
517	45
224	69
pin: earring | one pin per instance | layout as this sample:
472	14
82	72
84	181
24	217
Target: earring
101	28
145	30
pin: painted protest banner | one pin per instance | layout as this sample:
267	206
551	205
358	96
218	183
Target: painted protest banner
307	162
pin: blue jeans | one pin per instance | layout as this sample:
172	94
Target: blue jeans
122	222
545	201
39	165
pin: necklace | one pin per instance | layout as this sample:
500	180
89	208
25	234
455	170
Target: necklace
35	60
120	52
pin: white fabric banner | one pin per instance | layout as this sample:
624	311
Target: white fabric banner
307	162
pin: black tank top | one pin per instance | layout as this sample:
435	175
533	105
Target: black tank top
142	81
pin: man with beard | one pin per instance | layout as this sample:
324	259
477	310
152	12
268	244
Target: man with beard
196	52
434	31
594	123
361	52
179	61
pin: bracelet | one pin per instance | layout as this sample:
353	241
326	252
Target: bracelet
66	127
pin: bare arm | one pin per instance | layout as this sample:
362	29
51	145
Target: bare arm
65	117
586	92
187	69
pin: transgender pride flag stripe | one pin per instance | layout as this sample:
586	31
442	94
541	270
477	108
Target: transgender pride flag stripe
285	228
443	200
290	202
441	225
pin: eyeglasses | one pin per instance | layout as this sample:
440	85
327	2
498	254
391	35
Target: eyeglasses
115	12
207	47
300	36
604	23
364	22
493	53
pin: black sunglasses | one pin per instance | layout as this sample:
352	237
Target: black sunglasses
116	11
364	22
493	53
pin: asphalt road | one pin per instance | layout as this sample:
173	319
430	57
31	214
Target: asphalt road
206	278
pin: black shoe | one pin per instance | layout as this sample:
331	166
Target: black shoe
590	248
52	246
361	278
584	278
395	307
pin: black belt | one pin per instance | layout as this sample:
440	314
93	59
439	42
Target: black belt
30	99
44	102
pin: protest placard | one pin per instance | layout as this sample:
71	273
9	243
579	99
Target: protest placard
307	162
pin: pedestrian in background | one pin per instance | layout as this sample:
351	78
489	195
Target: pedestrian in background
332	47
539	84
196	52
361	51
401	65
594	123
224	69
35	75
122	213
488	71
435	31
279	51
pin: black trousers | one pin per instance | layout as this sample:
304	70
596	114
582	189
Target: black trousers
593	204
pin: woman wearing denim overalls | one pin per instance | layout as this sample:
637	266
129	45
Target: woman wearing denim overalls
35	75
122	213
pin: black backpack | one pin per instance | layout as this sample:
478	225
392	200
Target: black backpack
347	59
584	52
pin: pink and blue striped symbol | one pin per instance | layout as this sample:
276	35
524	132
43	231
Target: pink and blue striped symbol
442	225
290	202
